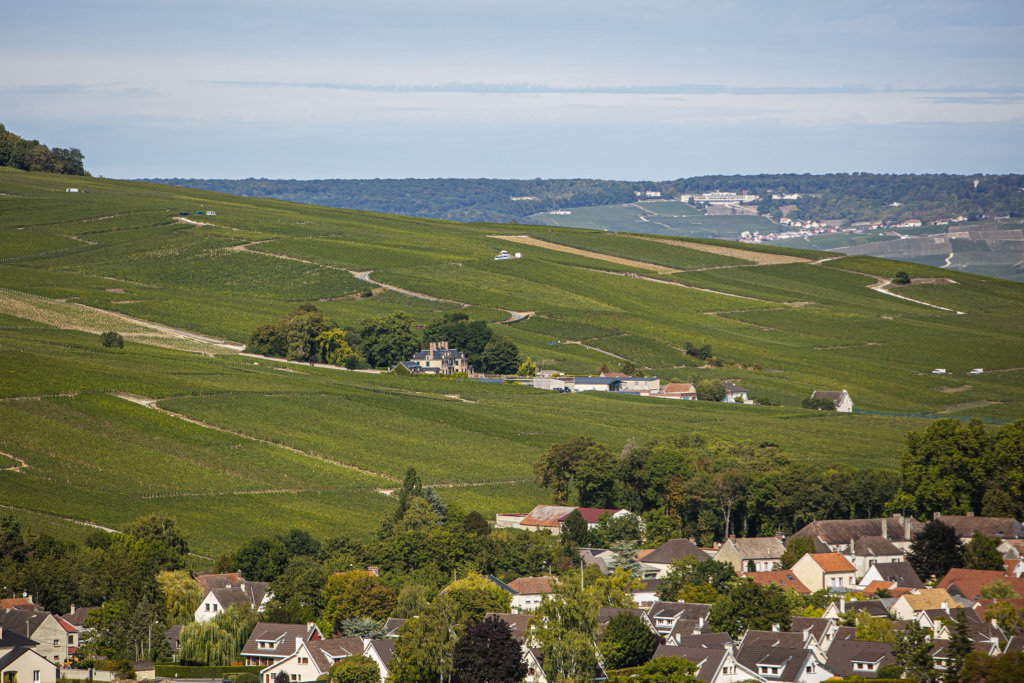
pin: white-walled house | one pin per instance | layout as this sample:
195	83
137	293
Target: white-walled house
825	570
256	594
840	399
313	658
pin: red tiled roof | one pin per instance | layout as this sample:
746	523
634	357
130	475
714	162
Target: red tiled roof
590	515
546	515
832	562
970	581
532	585
781	577
18	603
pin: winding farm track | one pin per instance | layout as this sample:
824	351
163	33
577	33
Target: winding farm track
92	525
155	405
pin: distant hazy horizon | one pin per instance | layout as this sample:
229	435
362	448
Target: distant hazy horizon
645	90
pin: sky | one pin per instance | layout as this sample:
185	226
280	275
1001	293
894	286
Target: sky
633	89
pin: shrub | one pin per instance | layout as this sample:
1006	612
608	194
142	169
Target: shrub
112	340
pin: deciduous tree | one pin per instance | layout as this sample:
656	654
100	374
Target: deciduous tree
487	653
935	550
627	641
981	553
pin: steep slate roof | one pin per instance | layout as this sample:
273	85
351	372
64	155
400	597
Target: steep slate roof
708	660
78	617
791	639
900	572
874	545
834	397
532	585
717	641
770	547
283	634
9	638
791	660
969	582
21	621
546	515
173	636
392	626
781	577
998	527
844	653
606	614
683	610
676	549
248	592
384	648
325	652
10	657
733	388
876	608
815	626
841	531
519	623
832	563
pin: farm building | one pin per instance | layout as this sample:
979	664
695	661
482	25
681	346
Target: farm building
840	399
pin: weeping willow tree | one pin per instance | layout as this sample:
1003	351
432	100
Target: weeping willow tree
217	642
181	596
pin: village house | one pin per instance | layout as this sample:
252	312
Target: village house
714	665
867	551
657	564
255	594
850	657
272	643
827	571
49	634
380	651
19	660
751	554
968	583
900	574
840	399
784	664
438	359
734	393
876	608
667	617
551	517
529	591
312	658
994	527
910	605
678	390
836	535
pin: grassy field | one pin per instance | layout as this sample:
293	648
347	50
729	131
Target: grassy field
230	438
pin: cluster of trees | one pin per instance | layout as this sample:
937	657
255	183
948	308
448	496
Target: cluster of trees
852	196
381	341
120	571
957	468
689	486
31	155
305	335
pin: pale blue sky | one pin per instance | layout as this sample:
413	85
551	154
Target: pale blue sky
643	89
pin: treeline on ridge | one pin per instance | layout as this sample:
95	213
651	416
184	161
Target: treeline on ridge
31	155
849	196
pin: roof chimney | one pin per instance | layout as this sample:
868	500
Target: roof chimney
885	528
935	515
775	628
298	643
72	609
842	604
945	606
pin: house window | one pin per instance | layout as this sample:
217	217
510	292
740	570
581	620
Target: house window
71	639
35	675
56	642
295	677
303	660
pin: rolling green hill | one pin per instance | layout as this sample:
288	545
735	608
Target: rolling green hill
180	422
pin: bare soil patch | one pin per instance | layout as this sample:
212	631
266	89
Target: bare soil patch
955	390
964	406
757	257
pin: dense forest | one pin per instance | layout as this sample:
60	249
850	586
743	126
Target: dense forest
849	196
31	155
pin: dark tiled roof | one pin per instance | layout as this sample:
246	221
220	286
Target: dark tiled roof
720	641
676	549
325	652
384	648
173	636
77	618
392	626
10	638
815	626
708	660
790	660
841	531
21	621
249	592
519	623
790	639
835	397
283	635
998	527
900	572
843	654
874	545
12	656
683	610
